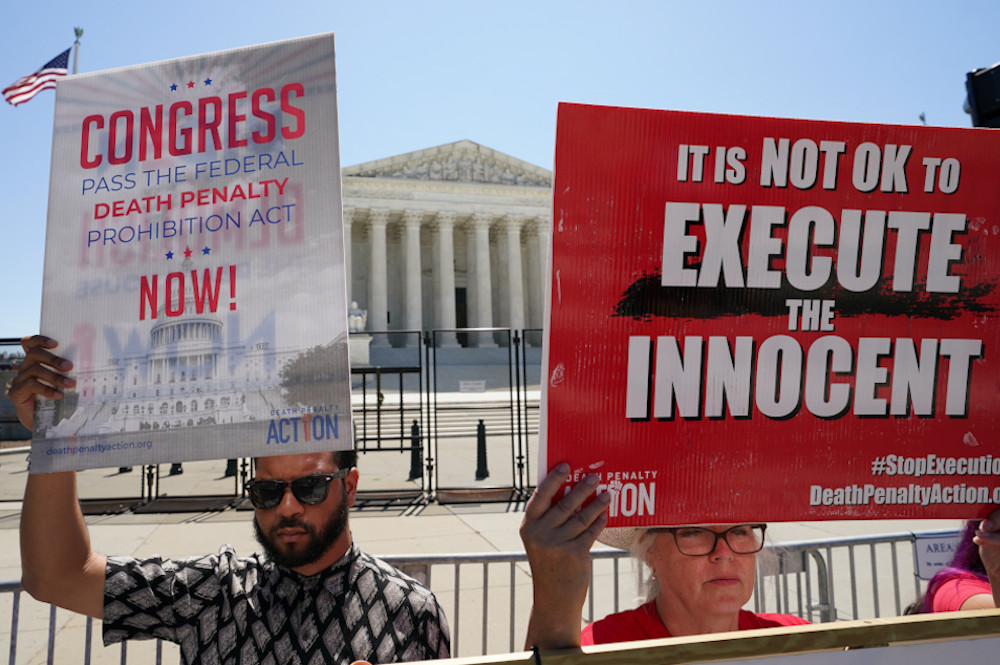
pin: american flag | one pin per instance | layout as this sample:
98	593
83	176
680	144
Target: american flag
28	86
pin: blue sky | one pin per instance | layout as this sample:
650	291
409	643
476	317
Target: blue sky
412	75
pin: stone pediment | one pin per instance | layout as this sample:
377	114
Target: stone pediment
462	161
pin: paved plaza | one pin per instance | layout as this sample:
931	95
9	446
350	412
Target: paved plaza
199	510
388	522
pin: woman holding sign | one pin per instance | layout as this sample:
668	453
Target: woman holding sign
701	575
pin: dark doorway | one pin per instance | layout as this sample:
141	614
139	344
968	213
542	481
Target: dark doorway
461	316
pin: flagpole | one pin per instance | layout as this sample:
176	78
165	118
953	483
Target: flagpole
76	49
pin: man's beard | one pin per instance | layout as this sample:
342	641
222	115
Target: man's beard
319	542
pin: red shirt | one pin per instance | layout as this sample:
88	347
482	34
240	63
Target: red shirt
954	591
643	623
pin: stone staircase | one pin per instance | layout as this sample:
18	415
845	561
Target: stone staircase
452	420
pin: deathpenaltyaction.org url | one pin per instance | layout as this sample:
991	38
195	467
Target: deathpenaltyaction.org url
99	448
864	495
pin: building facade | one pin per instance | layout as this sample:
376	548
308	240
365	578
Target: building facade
446	238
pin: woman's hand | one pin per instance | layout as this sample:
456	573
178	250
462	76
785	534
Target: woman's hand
557	538
988	539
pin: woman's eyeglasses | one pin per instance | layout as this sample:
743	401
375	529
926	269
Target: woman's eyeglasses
308	490
699	541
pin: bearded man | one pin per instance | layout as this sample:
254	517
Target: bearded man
312	597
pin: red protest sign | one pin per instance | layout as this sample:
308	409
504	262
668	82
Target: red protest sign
771	319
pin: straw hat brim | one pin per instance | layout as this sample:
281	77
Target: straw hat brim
620	537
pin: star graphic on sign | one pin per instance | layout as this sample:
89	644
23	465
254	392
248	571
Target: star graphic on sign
187	253
208	81
170	255
206	251
173	87
190	84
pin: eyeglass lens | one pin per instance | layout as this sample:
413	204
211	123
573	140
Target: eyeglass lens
742	539
308	490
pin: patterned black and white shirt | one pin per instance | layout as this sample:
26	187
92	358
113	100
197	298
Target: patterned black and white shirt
227	610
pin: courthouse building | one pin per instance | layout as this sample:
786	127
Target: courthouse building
445	238
449	237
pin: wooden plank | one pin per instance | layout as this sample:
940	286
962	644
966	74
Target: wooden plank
954	627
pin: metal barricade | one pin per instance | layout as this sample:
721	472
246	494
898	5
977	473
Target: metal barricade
389	407
487	597
456	408
842	578
10	360
415	397
818	580
61	636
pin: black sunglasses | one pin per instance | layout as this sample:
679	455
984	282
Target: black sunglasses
308	490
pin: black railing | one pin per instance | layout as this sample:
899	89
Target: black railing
459	374
433	419
10	359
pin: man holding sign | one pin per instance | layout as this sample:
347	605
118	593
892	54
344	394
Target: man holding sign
314	594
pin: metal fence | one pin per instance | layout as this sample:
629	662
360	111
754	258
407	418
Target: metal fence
10	357
487	596
861	577
422	403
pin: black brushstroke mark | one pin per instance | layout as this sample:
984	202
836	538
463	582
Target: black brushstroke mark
646	299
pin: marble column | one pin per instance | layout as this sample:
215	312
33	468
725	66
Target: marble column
445	273
544	239
483	279
515	287
535	277
378	301
348	267
412	284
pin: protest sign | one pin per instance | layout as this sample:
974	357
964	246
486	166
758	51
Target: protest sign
761	319
194	261
932	552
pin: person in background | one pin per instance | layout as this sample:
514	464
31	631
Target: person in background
701	576
972	580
